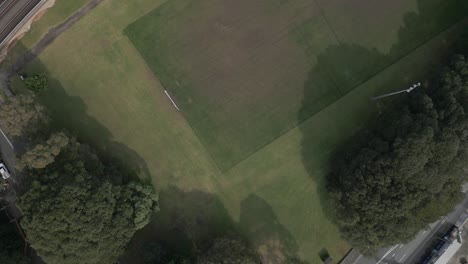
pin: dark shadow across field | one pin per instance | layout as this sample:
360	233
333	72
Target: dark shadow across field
190	220
353	112
69	113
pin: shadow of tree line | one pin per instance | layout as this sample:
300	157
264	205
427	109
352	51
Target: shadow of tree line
70	113
189	221
343	67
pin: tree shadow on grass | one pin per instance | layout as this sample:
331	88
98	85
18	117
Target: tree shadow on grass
70	113
432	18
186	224
341	68
189	221
273	241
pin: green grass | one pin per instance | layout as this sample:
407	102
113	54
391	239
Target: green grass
236	99
53	16
105	93
240	82
59	12
297	162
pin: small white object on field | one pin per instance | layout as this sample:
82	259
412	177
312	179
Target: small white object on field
170	98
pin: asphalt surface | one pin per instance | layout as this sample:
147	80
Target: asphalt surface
7	154
415	250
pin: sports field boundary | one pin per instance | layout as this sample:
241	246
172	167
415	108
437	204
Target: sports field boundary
392	60
325	18
300	122
181	112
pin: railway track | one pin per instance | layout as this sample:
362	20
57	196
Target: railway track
21	9
5	6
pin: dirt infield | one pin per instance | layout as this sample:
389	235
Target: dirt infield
238	68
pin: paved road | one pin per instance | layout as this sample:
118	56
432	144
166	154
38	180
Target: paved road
7	153
412	252
8	196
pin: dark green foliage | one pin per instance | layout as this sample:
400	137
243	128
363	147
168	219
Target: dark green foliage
11	244
156	254
36	83
405	172
43	154
75	214
228	251
21	113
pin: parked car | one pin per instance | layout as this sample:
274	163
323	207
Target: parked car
4	171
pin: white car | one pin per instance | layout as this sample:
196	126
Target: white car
4	171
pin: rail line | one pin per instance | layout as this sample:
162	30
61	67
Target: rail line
17	18
6	6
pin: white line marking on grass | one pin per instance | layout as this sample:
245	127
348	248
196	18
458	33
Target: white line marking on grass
11	145
388	252
170	98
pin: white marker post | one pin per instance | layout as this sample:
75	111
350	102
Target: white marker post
170	98
414	86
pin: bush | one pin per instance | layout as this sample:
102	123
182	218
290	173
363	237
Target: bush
36	83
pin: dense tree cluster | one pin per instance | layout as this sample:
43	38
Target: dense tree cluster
155	253
228	251
74	213
406	171
19	113
224	250
43	154
11	245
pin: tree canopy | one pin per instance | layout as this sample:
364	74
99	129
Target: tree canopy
155	253
20	112
42	155
11	245
404	173
74	213
228	251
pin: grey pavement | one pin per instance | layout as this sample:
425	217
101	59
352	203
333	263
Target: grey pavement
415	250
8	196
7	154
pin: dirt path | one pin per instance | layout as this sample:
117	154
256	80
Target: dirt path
50	36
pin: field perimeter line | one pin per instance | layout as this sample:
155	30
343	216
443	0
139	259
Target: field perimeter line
464	20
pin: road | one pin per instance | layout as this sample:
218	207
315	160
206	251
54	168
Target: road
7	153
413	251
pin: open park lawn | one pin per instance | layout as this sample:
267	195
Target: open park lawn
267	90
241	71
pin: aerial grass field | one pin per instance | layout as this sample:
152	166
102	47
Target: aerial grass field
62	9
105	87
237	68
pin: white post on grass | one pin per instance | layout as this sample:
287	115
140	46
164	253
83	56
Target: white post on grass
170	98
414	86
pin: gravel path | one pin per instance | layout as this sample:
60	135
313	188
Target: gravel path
50	36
